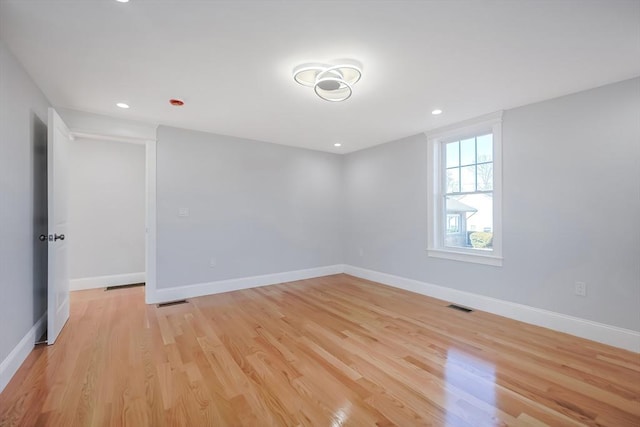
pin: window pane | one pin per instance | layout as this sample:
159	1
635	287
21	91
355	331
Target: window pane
468	178
485	176
453	154
453	180
485	148
467	151
474	226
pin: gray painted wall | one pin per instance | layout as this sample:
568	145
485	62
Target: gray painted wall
23	139
106	208
571	209
255	208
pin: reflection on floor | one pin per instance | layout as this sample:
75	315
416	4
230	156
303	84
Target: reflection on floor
332	351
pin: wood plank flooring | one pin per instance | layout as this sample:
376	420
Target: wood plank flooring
333	351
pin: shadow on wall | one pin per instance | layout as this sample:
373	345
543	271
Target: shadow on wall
40	215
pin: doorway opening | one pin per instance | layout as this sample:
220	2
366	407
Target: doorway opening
103	201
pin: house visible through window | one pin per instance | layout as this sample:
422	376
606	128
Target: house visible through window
453	223
465	199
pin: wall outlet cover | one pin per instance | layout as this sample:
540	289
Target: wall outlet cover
581	289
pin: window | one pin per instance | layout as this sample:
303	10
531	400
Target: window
465	195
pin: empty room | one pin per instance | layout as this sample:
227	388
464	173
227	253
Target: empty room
320	213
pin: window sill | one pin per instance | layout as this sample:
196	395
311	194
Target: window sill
476	258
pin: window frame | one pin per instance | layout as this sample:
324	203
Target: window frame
436	215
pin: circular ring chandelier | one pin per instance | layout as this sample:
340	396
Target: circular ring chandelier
330	82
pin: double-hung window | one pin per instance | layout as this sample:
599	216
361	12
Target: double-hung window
465	200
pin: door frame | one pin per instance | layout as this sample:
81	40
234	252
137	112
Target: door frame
151	218
150	203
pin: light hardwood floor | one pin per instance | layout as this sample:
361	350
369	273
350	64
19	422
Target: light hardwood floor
332	351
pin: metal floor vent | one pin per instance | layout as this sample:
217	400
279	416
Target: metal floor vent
459	307
167	304
133	285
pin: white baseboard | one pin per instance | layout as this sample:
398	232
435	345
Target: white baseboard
10	365
104	281
200	289
600	332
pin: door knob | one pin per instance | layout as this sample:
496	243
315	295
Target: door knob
42	237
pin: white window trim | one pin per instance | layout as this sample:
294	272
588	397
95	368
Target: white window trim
435	248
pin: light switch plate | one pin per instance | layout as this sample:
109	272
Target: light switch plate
183	212
581	289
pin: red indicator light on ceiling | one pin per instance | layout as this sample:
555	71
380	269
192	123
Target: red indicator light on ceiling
176	102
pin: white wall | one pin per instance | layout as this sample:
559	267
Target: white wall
23	216
107	200
571	209
254	208
106	212
97	124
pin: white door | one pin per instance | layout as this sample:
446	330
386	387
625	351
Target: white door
57	188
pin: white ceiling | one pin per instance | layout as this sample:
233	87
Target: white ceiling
231	61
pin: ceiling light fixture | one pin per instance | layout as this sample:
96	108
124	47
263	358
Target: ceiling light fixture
330	82
122	1
122	105
337	144
176	102
436	112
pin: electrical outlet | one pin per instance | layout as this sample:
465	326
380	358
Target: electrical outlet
581	289
183	212
213	263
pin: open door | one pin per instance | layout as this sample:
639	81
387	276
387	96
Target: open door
57	188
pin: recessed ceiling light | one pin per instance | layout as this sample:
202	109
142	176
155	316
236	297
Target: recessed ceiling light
122	1
337	144
436	112
122	105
